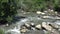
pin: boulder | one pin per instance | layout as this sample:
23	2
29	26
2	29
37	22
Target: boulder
53	25
47	27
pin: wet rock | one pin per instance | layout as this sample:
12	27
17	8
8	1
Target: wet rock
42	13
7	25
59	29
32	28
45	11
38	26
32	24
24	13
53	25
56	12
45	17
46	26
23	27
58	15
23	30
51	10
27	26
38	12
55	32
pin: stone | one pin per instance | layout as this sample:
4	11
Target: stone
47	27
24	13
55	12
53	25
42	13
7	25
45	17
23	27
38	12
32	28
55	31
51	10
38	26
46	11
32	24
23	30
27	25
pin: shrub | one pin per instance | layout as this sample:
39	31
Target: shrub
1	31
8	9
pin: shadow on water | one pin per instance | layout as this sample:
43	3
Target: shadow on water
17	18
2	22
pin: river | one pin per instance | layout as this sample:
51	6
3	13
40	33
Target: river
30	17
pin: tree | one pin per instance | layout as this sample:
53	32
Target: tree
34	5
8	9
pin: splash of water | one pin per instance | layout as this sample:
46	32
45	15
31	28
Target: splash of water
16	29
13	31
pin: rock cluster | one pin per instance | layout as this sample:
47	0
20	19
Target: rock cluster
51	27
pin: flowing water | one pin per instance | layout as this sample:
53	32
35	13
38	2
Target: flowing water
16	28
30	18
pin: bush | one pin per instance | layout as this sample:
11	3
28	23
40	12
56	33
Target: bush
1	31
34	5
8	9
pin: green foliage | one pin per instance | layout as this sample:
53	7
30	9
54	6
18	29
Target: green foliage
1	31
8	9
34	5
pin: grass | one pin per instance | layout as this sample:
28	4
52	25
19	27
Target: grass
1	31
